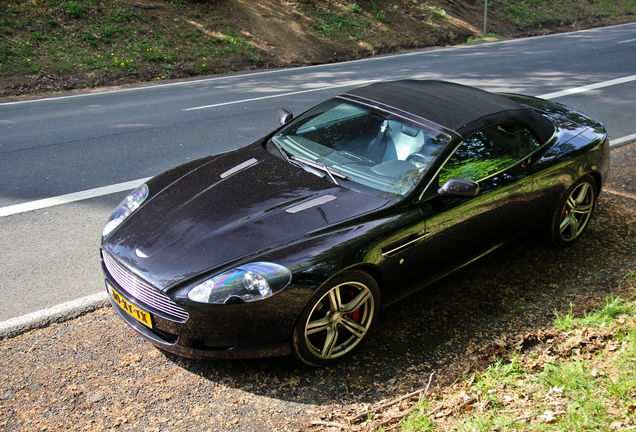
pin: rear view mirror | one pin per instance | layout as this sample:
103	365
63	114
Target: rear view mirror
456	186
284	116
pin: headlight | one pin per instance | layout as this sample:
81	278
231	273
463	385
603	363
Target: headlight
247	283
125	208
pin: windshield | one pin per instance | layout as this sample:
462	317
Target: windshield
360	149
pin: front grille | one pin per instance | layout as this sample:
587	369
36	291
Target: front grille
143	291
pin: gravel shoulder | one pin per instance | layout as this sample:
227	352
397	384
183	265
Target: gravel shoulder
93	373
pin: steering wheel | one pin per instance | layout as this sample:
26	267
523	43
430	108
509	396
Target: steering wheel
418	159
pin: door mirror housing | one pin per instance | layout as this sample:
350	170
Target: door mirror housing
460	187
284	116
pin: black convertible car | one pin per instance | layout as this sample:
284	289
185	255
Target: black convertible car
293	244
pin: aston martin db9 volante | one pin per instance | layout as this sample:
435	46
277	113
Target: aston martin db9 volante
293	244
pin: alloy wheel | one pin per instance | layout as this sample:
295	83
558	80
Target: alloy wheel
577	211
339	320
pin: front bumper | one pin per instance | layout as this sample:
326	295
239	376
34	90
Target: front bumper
239	331
200	348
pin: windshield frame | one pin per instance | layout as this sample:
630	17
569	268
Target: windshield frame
389	178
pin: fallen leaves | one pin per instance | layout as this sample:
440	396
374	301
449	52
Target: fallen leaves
520	397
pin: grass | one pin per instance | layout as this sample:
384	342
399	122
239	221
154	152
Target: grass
109	37
51	45
334	24
539	13
585	381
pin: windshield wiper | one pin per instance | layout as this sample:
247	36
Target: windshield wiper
310	165
282	151
332	172
303	163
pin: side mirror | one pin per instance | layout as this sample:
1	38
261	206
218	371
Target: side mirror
456	186
284	116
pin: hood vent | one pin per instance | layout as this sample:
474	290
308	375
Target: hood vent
240	167
311	203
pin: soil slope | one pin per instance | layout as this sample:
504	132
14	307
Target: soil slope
57	46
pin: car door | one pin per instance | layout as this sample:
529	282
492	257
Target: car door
454	229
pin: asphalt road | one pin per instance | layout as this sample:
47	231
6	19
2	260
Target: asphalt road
55	146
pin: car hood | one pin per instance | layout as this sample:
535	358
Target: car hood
228	209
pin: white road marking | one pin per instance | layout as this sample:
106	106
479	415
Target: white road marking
154	85
120	187
274	96
589	87
129	185
553	95
69	198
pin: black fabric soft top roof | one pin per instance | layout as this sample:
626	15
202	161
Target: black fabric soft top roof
457	107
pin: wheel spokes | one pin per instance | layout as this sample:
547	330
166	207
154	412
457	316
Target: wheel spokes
356	302
571	224
331	329
577	211
583	209
335	301
330	342
316	326
356	329
583	194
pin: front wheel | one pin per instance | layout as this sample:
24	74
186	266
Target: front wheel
336	319
573	214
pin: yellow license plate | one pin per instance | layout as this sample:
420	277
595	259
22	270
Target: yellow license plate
132	310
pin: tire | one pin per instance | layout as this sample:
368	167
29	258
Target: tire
337	319
574	212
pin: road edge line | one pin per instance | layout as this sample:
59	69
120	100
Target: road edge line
70	198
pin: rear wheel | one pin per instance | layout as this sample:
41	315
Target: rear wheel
574	212
337	319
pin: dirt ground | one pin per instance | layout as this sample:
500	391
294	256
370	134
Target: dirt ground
93	373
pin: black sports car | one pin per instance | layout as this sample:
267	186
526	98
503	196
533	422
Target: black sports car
293	244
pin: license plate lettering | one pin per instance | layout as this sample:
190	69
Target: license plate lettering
132	310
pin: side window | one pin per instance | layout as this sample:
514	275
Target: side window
489	151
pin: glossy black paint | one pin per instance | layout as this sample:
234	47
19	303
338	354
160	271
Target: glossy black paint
219	212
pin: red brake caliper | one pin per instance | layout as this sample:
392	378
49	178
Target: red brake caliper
355	315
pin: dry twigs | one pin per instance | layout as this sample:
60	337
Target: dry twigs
422	391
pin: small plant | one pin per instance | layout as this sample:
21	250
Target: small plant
37	36
122	14
256	58
355	8
521	13
127	65
478	38
437	12
153	55
90	38
73	8
108	33
328	23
